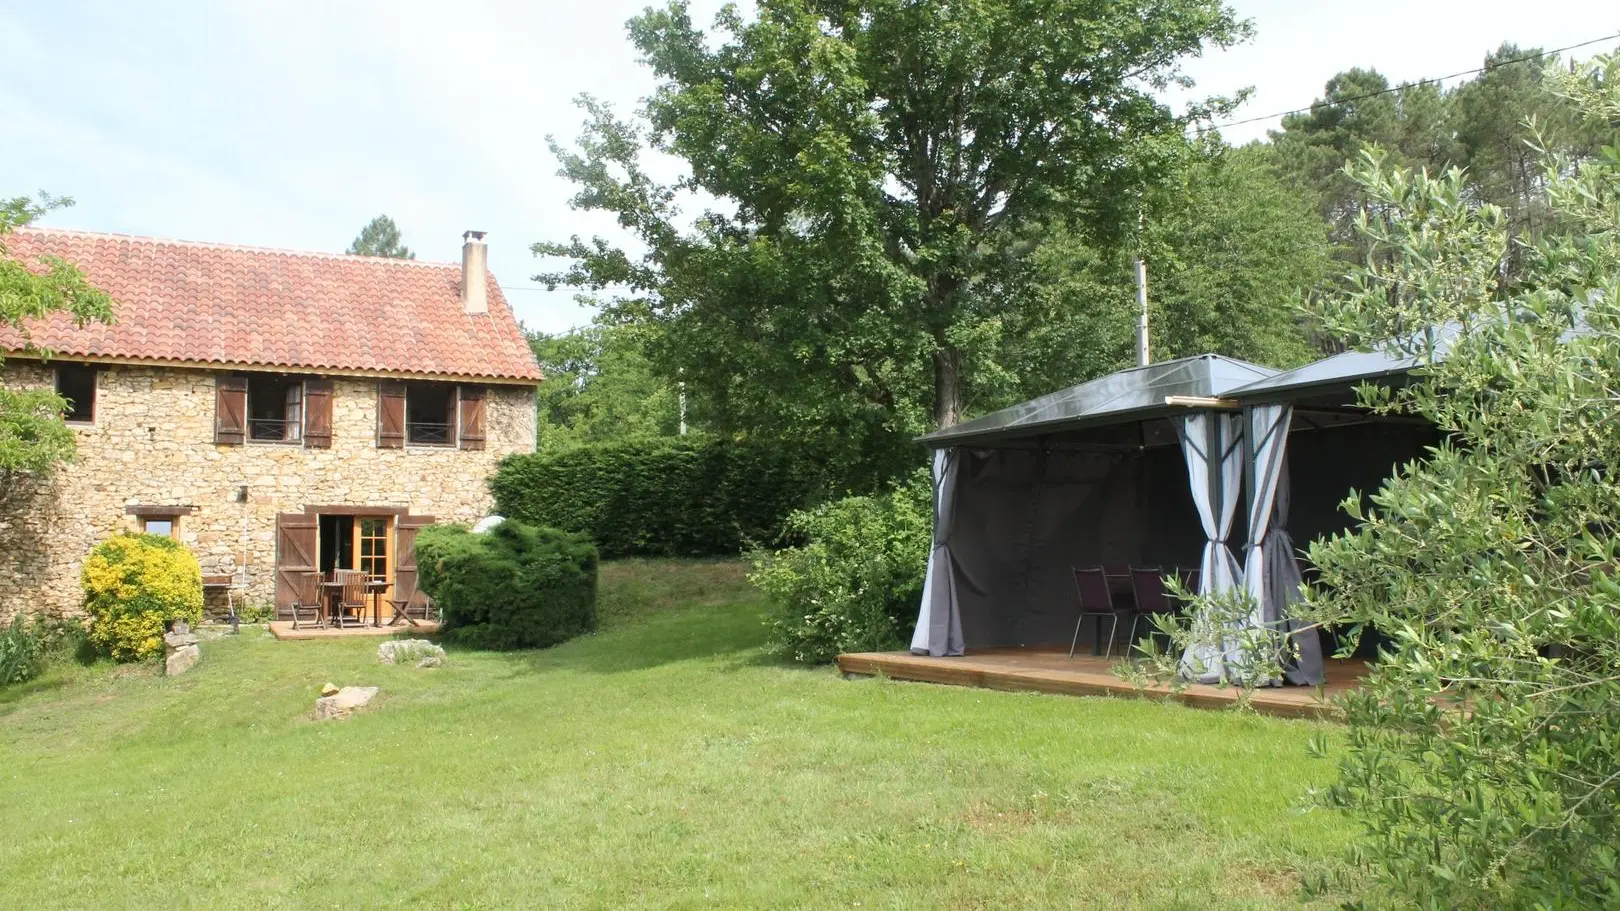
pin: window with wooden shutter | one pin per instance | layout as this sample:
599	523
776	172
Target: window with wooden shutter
318	414
230	410
390	415
472	417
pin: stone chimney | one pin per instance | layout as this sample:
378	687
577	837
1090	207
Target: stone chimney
474	273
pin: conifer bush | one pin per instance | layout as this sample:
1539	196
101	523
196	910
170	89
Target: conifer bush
134	585
516	586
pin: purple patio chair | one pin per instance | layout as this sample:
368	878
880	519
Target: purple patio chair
1152	597
1097	602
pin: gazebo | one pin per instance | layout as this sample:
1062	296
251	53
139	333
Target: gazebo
1147	467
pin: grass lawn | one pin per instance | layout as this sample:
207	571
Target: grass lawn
660	763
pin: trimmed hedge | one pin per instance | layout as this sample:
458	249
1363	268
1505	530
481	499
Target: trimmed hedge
134	585
687	497
515	586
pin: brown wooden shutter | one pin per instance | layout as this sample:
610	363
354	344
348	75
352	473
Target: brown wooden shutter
405	555
318	414
472	417
297	548
230	410
390	415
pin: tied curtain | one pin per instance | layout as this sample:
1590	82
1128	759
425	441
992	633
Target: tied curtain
1212	444
1270	575
939	622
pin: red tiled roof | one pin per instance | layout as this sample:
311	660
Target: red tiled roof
252	307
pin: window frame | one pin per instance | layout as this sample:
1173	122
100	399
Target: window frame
173	520
95	392
293	430
452	411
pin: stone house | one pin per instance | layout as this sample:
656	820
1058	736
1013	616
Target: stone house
275	411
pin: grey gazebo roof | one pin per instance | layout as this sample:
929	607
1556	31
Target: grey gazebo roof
1345	370
1129	395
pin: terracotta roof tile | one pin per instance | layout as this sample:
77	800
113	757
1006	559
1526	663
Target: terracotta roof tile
255	307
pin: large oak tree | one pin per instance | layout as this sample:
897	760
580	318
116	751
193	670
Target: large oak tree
873	170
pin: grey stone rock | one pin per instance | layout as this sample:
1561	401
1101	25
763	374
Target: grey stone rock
343	703
419	652
181	659
179	640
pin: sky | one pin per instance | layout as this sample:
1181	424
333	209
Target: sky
291	124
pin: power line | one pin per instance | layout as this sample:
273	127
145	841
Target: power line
1403	87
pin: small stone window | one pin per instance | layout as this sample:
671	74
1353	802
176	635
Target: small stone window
77	384
159	520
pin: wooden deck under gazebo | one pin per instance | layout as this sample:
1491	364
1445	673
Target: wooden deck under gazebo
1044	671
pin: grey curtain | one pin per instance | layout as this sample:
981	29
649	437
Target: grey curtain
939	622
1270	573
1212	444
1282	586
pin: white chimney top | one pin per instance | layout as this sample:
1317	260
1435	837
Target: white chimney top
474	273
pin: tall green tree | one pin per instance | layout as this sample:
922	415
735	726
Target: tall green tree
380	237
32	435
875	166
1233	252
600	385
1360	108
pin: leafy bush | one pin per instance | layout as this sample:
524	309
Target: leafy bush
22	651
692	496
516	586
133	586
1482	760
856	584
29	644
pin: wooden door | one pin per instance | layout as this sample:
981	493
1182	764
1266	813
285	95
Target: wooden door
373	555
297	550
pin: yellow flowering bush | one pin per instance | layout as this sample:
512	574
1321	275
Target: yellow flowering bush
133	586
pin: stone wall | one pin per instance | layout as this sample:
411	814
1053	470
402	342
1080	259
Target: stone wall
152	445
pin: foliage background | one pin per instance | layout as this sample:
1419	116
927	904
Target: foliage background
134	585
515	586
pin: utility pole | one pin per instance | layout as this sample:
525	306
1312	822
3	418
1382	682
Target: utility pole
1142	357
681	385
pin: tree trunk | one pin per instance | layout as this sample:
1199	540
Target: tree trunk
947	386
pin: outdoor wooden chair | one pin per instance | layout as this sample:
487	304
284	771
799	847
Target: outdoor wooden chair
416	608
1096	602
352	598
307	609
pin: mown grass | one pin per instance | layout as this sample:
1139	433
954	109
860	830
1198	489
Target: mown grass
660	763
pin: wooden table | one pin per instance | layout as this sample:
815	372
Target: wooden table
333	594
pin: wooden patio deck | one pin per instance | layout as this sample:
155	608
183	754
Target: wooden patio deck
283	629
1084	675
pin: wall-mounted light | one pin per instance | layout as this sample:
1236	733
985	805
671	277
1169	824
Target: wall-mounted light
242	494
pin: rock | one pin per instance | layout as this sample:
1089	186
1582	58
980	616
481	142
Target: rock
181	660
344	703
419	652
178	639
329	690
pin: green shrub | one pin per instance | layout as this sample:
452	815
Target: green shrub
22	651
692	496
133	586
516	586
856	583
29	644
